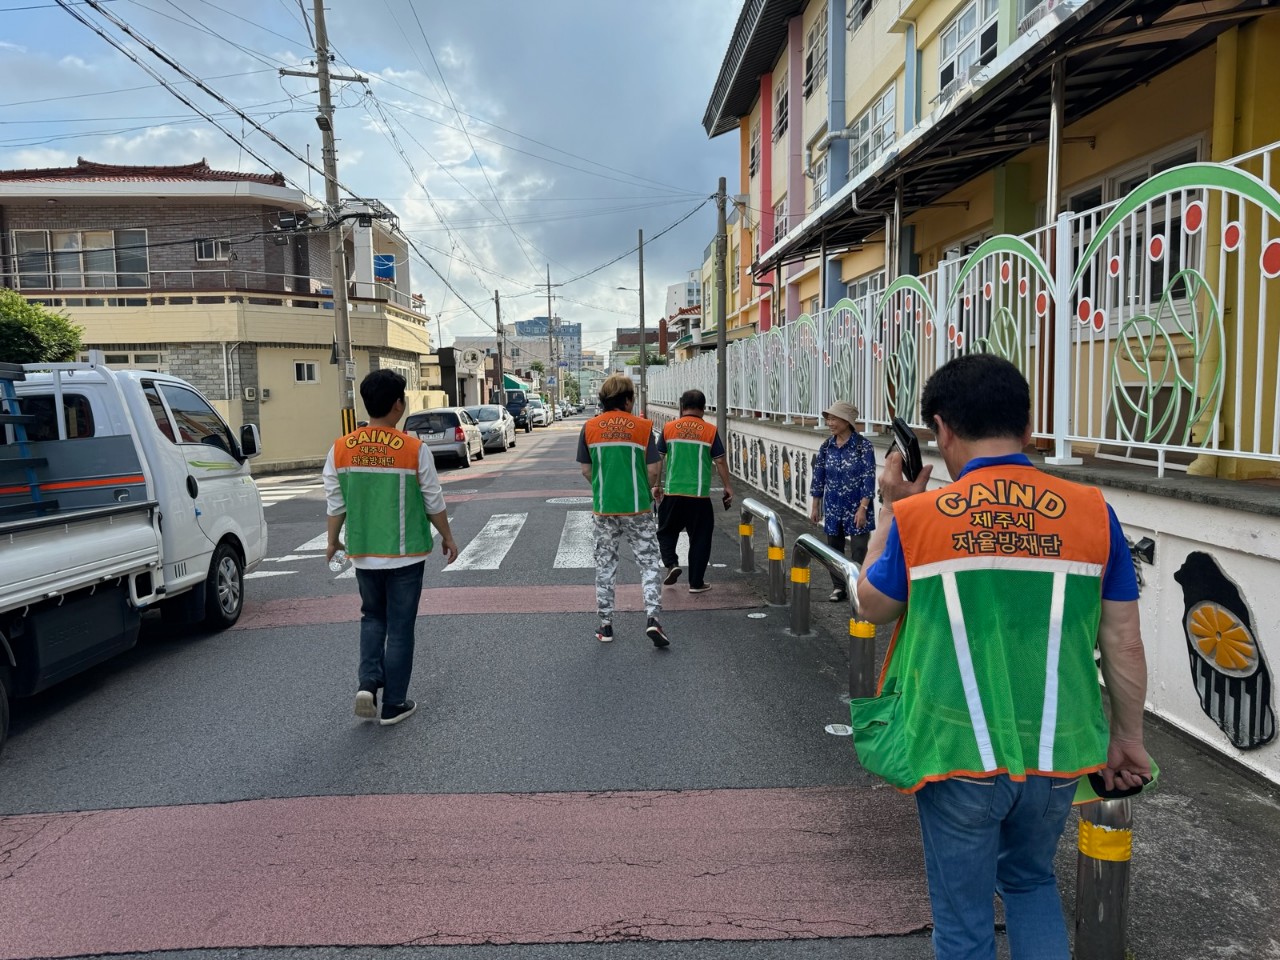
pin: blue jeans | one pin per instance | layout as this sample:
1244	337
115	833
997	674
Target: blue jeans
388	612
984	836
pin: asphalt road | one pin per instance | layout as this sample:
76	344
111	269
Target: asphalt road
554	799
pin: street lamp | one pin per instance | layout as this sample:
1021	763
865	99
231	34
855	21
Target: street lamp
644	355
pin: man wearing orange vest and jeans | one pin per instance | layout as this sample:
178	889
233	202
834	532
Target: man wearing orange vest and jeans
619	458
691	448
382	484
1002	582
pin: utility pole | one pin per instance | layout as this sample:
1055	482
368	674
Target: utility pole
502	349
644	346
338	260
551	341
721	310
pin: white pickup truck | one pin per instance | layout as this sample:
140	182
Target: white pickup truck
119	491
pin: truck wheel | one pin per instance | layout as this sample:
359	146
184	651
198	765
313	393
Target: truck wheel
224	588
4	701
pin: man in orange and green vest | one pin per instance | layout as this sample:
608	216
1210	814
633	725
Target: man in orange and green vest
382	485
619	458
691	448
1002	584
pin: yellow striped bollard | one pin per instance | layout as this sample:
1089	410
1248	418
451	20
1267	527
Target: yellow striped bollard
1105	846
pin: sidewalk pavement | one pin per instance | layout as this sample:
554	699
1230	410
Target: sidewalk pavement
1201	874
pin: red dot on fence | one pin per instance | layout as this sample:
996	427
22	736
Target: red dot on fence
1042	303
1193	219
1271	260
1157	248
1232	236
1114	266
928	329
1084	310
1022	286
987	290
1006	271
1099	321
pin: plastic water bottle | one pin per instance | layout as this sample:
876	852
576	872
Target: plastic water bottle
338	562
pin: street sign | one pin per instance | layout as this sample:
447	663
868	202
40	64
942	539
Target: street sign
551	381
563	363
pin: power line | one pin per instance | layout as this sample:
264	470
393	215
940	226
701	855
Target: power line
109	93
628	253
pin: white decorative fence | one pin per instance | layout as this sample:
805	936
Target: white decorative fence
1146	327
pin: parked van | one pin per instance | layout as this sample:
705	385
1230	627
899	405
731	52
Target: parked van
120	491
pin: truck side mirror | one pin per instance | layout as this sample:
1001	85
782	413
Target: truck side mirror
250	441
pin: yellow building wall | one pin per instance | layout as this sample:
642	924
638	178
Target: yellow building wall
782	148
940	226
929	23
873	58
814	112
859	263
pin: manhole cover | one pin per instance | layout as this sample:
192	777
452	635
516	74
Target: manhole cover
569	500
756	616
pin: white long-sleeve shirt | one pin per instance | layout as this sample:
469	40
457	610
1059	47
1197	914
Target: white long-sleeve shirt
432	499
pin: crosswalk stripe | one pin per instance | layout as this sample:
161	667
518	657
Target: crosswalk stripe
319	542
487	550
262	574
577	542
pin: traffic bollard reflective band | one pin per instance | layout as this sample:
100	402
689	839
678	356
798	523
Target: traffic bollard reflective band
777	548
1105	846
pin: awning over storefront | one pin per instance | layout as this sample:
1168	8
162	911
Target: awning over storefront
515	383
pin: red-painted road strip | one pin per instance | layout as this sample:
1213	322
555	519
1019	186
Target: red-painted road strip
475	475
445	601
448	870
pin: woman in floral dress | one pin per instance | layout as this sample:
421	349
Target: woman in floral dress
844	481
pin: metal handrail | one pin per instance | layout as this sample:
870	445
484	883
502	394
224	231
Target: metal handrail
862	635
777	548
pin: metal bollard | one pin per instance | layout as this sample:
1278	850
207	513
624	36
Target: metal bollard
863	674
1102	879
799	598
777	596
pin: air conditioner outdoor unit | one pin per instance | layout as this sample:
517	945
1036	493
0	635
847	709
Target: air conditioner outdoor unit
250	394
266	393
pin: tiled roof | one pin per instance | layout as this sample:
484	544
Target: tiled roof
88	171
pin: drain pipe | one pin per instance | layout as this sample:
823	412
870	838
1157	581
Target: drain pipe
826	141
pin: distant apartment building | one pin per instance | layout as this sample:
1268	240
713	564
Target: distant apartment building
220	278
568	335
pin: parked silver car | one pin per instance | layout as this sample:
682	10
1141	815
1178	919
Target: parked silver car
497	426
448	432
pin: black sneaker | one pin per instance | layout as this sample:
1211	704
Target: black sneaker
671	576
392	715
367	702
654	632
838	595
604	633
702	589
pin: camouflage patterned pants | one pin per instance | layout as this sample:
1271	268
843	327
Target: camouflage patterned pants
641	531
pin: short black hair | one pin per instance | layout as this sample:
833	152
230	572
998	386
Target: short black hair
978	396
380	390
693	400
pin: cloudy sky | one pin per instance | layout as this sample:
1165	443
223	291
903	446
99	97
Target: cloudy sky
507	135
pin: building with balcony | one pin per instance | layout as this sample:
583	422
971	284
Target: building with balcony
222	278
882	140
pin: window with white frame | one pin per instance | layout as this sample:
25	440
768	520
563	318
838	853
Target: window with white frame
213	249
781	108
152	361
753	155
815	54
820	169
859	10
865	289
733	268
873	132
968	43
304	371
1134	284
80	259
780	225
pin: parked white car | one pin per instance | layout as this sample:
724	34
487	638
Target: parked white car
539	415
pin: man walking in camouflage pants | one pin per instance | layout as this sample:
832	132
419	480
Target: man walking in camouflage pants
619	457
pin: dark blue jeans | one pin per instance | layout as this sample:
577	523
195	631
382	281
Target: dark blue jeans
984	836
388	613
